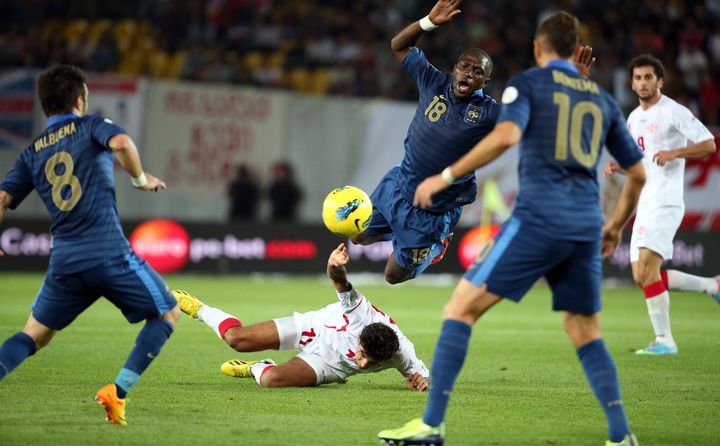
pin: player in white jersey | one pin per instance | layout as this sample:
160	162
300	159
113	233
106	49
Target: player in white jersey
668	134
342	339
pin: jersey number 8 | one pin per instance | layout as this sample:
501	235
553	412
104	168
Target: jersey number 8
574	121
59	182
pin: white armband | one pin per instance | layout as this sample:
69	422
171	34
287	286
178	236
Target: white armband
447	175
139	181
426	24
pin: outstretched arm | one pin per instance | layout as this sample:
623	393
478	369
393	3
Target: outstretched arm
503	136
336	268
442	13
411	367
124	148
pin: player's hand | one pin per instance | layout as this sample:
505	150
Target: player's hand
444	11
339	257
583	60
664	156
153	184
610	241
1	253
416	381
611	168
429	187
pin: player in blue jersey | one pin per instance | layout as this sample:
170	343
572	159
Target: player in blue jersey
453	114
561	121
70	166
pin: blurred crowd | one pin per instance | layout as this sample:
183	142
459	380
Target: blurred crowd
341	47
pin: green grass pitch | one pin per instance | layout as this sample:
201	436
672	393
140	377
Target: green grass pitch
521	384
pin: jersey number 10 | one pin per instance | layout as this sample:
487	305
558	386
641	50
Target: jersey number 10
573	119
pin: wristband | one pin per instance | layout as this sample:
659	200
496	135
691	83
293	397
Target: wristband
447	176
140	181
426	24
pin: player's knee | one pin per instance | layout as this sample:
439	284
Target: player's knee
359	240
395	277
173	315
237	338
272	377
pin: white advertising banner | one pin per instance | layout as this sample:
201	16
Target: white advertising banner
196	135
121	99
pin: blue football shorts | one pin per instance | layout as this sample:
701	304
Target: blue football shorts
415	232
520	254
127	281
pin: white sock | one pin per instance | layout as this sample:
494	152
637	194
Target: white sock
679	280
258	368
213	317
659	312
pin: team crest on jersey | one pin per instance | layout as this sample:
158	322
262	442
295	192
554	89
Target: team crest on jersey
474	114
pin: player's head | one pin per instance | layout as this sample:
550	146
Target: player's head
471	72
556	35
378	343
647	76
62	90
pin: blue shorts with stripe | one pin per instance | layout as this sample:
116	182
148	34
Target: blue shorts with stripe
415	232
520	254
126	281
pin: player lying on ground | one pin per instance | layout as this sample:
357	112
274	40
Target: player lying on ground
668	134
344	338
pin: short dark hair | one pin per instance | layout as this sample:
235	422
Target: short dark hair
379	341
59	87
646	60
560	32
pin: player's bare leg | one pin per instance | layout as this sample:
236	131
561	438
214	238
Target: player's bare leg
253	338
41	334
394	273
646	273
294	373
364	240
18	347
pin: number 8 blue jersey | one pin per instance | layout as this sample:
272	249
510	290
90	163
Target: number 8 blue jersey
558	183
71	168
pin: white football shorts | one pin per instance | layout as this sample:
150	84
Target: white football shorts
655	230
292	331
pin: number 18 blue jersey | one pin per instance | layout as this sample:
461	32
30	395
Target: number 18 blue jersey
559	191
71	167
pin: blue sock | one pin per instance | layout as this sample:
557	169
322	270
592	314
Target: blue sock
602	375
450	353
147	346
14	351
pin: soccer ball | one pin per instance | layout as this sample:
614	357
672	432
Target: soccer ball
347	211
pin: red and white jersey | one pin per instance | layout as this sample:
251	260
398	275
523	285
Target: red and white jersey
666	125
333	333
